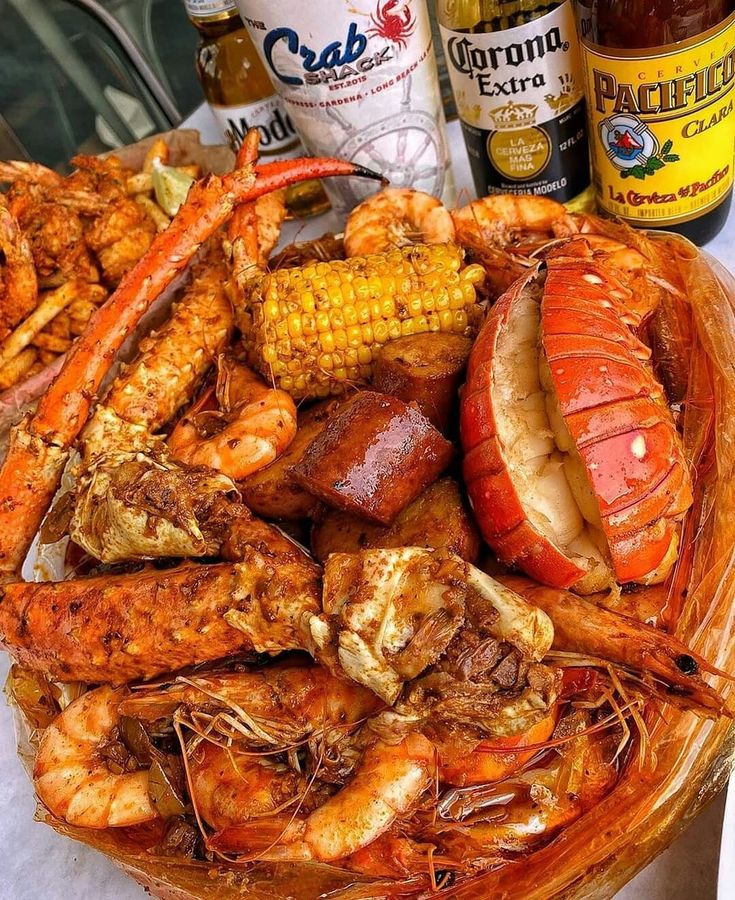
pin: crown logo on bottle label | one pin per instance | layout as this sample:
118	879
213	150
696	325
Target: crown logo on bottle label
513	116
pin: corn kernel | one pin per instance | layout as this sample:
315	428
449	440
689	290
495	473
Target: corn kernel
362	308
294	325
354	335
270	310
268	352
364	355
322	320
326	341
446	320
394	329
380	332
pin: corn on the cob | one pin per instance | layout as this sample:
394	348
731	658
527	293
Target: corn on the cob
315	329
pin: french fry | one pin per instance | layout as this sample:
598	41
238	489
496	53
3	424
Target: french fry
158	150
45	341
81	309
34	369
154	212
19	366
77	326
47	356
193	171
142	183
49	307
60	326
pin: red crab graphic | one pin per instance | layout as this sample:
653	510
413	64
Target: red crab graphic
390	23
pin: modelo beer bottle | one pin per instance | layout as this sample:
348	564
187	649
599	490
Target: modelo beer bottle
517	79
660	79
241	96
359	81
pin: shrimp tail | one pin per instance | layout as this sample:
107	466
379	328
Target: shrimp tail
254	838
669	665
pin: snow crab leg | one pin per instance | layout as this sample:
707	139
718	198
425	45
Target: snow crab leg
40	444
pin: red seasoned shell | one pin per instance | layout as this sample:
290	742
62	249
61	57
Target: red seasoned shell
497	505
612	430
618	419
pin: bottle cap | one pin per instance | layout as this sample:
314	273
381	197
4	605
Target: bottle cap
210	10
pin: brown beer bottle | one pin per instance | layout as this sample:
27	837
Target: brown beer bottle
241	95
660	80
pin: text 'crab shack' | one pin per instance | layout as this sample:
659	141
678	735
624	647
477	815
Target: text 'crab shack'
359	81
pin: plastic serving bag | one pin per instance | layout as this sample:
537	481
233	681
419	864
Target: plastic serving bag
693	336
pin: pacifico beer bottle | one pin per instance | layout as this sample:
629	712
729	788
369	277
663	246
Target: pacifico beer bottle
517	79
359	81
660	79
241	95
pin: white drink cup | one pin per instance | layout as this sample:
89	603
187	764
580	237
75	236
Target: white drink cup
359	81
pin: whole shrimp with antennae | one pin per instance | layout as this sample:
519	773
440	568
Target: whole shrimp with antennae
280	705
658	661
233	788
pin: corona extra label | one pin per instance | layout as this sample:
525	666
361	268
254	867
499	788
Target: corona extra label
519	93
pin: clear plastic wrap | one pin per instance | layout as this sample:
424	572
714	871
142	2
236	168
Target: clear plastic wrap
694	340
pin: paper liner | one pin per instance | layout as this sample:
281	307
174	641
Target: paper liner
596	855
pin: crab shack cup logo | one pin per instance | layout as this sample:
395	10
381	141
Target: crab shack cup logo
343	59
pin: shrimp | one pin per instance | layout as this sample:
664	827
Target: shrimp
502	219
395	217
654	658
271	711
72	777
253	426
532	805
275	709
388	782
490	760
18	282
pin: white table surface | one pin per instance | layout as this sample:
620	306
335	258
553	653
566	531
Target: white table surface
38	864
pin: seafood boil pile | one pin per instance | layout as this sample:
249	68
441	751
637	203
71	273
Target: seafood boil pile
366	550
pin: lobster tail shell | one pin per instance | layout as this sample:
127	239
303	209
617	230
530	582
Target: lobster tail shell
616	415
614	411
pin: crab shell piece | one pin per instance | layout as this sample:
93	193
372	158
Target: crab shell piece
605	415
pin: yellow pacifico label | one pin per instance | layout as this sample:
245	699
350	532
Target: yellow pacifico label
662	126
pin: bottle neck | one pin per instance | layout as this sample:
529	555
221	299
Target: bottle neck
213	18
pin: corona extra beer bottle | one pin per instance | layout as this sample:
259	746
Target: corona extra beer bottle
660	80
517	78
359	81
241	95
